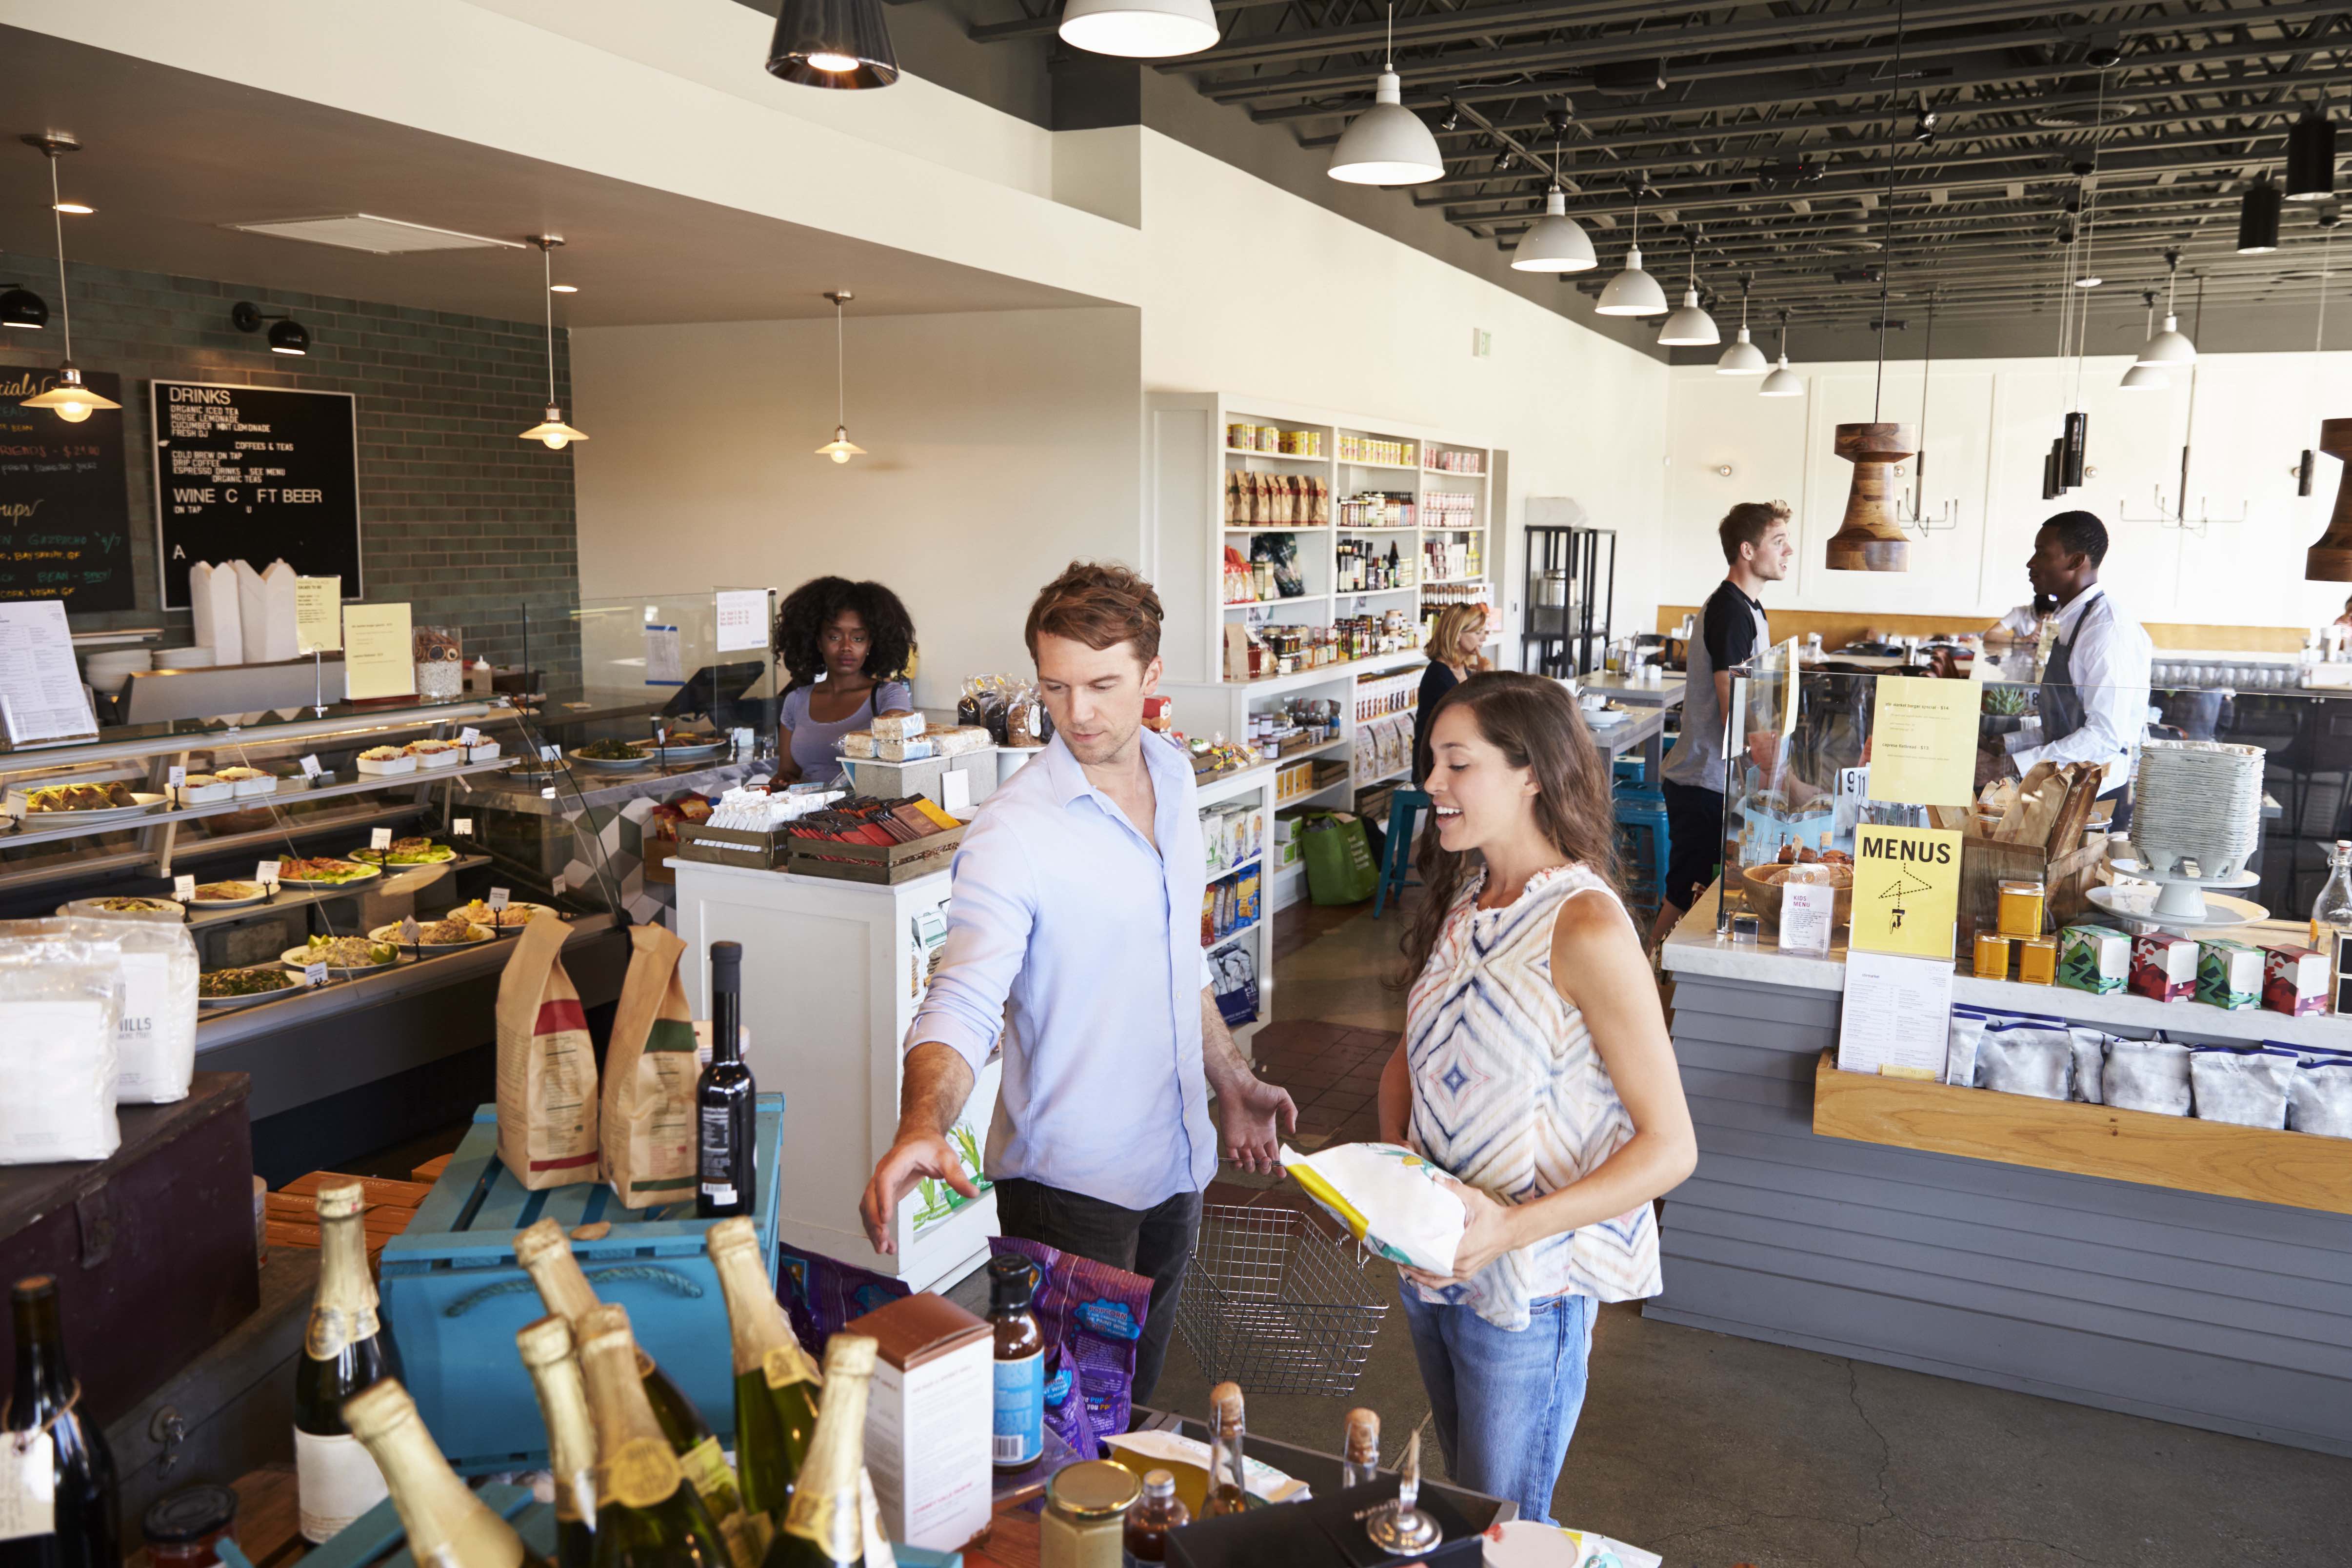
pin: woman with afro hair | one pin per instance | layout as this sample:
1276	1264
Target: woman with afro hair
846	646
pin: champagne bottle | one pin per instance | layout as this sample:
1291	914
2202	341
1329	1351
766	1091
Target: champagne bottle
84	1507
826	1526
725	1110
648	1516
545	1254
546	1347
1226	1492
448	1525
1360	1461
776	1381
344	1350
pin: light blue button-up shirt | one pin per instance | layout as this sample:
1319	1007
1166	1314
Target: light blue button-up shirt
1080	943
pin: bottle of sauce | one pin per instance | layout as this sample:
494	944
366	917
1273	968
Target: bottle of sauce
1149	1521
723	1099
1226	1494
1019	1433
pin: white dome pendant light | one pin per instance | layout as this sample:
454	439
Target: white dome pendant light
2146	378
840	449
1743	358
552	430
1387	144
1634	292
1783	381
1139	30
1690	326
73	400
2171	346
1555	241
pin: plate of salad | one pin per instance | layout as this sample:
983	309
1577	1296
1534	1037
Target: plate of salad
342	955
406	852
218	990
612	755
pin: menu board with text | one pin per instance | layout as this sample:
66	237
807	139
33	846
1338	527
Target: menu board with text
256	474
65	514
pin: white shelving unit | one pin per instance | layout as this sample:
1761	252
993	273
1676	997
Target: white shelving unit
1254	787
1190	458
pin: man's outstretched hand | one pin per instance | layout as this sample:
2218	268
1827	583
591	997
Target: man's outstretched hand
909	1161
1253	1117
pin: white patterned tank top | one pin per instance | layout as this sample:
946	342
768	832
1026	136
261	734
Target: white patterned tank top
1510	1096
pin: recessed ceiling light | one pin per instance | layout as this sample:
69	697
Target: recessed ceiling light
75	209
564	289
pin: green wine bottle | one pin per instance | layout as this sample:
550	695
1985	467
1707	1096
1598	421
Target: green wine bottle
545	1253
344	1350
448	1525
825	1525
647	1515
45	1413
776	1381
546	1347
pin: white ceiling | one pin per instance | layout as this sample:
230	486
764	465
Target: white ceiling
170	155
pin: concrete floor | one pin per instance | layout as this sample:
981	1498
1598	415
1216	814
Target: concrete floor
1714	1450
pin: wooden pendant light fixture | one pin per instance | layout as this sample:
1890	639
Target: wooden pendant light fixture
2330	559
1868	539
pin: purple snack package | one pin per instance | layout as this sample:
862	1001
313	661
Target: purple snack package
820	1295
1095	1314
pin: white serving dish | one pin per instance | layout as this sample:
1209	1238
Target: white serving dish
207	794
387	767
449	758
38	821
483	751
265	785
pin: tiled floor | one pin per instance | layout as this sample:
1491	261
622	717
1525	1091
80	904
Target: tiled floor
1333	1073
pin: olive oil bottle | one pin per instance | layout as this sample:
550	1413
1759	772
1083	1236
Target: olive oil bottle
648	1516
344	1350
825	1525
776	1381
546	1347
448	1525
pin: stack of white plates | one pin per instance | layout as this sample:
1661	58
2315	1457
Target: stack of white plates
108	668
2197	800
183	658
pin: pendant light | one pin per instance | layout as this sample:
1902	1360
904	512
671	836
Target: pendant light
1743	358
1783	381
840	449
2146	378
1555	241
1387	144
1634	292
552	430
2258	218
2171	346
1690	326
839	44
2311	156
1139	30
72	401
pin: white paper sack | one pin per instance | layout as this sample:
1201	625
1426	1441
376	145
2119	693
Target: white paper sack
2150	1075
155	1037
1388	1198
2021	1058
2319	1099
272	621
59	1005
252	613
1960	1050
212	598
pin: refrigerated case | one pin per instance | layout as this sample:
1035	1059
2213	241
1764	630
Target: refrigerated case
1571	596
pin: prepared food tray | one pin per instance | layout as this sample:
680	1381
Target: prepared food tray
206	789
324	872
506	920
121	903
611	755
218	990
435	753
436	935
56	805
231	895
387	760
406	852
342	955
248	780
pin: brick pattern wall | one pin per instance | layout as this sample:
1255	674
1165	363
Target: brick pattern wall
456	516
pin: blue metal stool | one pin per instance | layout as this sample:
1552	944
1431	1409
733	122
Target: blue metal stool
1638	813
1405	806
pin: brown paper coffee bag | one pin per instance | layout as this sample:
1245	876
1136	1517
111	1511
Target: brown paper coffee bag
547	1064
647	1130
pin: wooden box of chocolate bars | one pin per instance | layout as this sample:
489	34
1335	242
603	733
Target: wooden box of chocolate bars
881	842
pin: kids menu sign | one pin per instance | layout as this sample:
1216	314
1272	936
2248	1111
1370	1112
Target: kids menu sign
65	514
256	473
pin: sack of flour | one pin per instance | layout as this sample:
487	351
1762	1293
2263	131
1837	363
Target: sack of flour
2090	1061
547	1064
1390	1198
2147	1075
155	1040
60	1002
2319	1095
2026	1057
646	1128
2243	1085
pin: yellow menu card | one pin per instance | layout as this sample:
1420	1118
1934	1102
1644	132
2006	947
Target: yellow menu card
318	614
1922	740
1906	890
379	660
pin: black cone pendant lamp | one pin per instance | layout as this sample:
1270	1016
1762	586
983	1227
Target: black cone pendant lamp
2311	157
839	44
2258	218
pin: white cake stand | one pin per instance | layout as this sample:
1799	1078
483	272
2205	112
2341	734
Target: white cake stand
2181	905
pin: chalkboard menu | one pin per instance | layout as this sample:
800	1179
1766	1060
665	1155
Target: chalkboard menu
256	474
65	514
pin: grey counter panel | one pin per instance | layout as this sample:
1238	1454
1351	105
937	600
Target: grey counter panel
2210	1311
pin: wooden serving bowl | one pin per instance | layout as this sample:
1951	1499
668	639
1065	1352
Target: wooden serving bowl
1762	885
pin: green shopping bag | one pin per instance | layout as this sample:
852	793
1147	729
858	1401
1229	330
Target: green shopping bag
1338	854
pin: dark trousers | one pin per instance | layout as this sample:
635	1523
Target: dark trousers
1695	831
1155	1242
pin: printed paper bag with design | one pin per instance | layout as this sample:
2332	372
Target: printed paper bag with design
546	1065
647	1130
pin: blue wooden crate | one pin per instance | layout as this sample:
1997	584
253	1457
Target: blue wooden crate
454	1295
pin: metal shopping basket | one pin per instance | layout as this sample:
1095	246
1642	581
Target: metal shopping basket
1275	1304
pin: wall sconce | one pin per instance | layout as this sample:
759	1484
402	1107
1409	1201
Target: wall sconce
1723	469
286	337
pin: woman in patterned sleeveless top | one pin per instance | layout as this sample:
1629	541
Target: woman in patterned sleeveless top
1535	1069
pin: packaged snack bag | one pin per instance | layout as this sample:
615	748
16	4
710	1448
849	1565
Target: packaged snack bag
1388	1198
1095	1314
547	1064
646	1128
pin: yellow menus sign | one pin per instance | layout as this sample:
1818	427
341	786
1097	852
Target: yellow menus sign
1922	740
379	660
318	614
1906	890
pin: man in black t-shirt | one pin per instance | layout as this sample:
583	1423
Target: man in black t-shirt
1732	630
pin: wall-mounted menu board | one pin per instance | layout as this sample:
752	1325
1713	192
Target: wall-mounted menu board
256	474
65	514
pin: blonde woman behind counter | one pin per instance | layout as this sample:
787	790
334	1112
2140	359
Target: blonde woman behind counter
846	646
1454	657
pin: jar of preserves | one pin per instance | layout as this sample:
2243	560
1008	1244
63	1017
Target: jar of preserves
1086	1515
183	1530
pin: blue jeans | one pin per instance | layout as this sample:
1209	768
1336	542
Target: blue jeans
1505	1403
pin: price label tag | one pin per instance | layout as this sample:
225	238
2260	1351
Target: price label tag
177	776
469	736
184	888
265	872
551	753
381	838
314	974
498	899
555	886
547	792
462	827
408	931
27	1486
310	768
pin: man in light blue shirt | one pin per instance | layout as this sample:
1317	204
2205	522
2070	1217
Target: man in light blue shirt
1074	934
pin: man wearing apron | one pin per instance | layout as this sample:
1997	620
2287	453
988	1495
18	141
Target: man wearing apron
1756	547
2092	699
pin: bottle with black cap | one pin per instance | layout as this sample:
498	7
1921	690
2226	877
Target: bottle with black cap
724	1112
46	1425
1018	1439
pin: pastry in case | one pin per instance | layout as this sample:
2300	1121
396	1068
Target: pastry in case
435	753
386	759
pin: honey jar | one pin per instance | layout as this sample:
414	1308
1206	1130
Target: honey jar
2020	909
1993	956
2037	961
